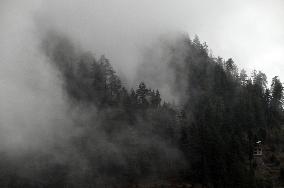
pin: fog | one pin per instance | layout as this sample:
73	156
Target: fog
31	96
35	111
123	31
37	119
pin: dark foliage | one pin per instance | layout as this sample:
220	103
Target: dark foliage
208	140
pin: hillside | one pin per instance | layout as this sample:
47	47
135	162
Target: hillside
135	138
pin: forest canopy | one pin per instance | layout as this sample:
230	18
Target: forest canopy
134	136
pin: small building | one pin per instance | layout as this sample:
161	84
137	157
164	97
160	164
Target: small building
257	150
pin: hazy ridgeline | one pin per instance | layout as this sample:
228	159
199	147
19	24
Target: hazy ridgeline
158	108
81	127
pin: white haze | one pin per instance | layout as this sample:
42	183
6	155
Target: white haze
249	31
32	103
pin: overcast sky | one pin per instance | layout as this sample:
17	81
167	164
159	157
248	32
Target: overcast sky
249	31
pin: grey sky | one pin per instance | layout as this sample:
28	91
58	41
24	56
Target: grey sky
250	31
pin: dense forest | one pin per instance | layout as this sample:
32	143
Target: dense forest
135	138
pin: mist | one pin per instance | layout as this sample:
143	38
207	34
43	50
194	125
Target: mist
111	93
38	117
32	96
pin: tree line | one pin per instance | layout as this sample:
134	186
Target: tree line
208	139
